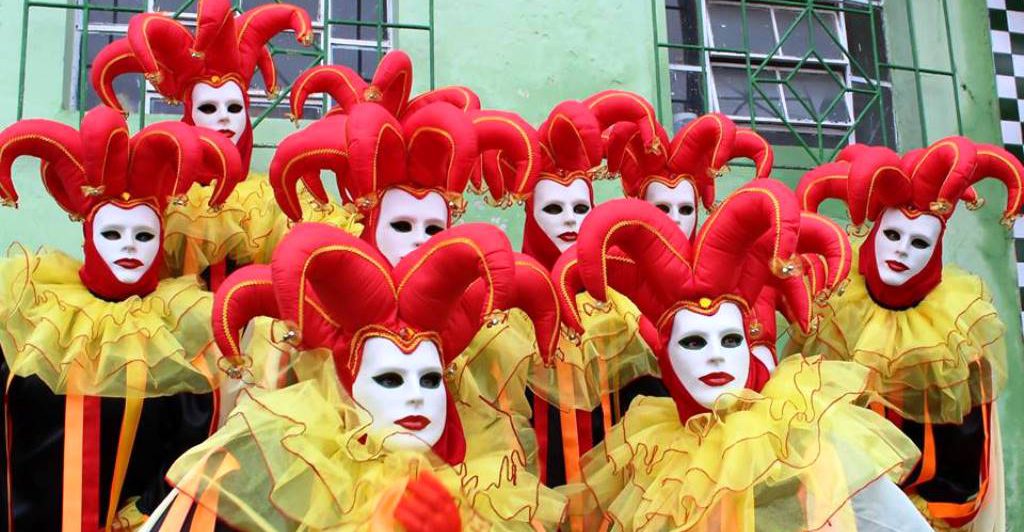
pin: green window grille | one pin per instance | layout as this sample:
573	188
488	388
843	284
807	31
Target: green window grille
812	74
350	32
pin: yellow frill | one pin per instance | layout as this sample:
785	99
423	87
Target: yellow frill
609	355
946	355
299	458
246	229
788	458
57	330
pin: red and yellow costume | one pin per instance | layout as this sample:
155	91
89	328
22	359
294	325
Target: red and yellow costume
782	453
106	382
225	48
302	457
933	346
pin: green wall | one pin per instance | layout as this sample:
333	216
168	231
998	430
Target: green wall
528	55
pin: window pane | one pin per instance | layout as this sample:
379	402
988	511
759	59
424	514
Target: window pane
98	16
869	127
173	6
361	33
817	91
258	106
687	96
128	87
365	10
681	23
362	60
311	6
808	33
727	28
734	88
862	48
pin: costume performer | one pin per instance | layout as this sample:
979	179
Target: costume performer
211	72
927	333
107	368
733	447
382	440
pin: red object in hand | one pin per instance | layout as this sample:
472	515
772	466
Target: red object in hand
427	506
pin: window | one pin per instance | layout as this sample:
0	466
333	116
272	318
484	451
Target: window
350	32
799	75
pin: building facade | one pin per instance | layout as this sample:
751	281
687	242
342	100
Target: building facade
810	75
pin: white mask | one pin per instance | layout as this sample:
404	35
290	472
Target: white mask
403	393
764	354
220	108
903	246
679	203
560	209
128	240
406	222
709	354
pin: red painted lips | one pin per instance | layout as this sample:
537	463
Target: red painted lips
129	264
896	266
717	379
568	237
413	423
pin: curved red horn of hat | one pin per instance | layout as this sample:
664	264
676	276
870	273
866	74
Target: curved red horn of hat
59	147
614	106
165	160
433	279
462	98
351	280
826	181
392	82
257	26
113	60
571	138
824	238
950	160
994	162
221	162
702	148
321	146
535	294
339	81
643	234
753	146
105	143
246	293
565	275
761	209
513	144
867	179
441	146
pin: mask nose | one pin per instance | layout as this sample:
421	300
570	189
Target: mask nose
715	356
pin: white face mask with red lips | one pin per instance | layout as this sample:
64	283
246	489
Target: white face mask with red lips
220	109
904	245
560	209
709	354
406	222
403	393
127	240
679	203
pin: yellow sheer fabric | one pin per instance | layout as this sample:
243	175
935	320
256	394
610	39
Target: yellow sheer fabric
609	355
246	229
945	355
300	458
788	458
53	327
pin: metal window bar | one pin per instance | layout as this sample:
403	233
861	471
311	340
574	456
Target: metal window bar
873	83
319	52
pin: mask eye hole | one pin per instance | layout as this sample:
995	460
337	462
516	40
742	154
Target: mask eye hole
110	234
581	208
144	236
208	108
732	340
664	207
552	208
920	243
235	108
389	380
431	380
892	234
434	229
401	226
693	342
686	210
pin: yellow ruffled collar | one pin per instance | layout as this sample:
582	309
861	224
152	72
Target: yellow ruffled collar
751	448
307	461
55	329
946	355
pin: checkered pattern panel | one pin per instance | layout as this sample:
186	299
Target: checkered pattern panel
1007	22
